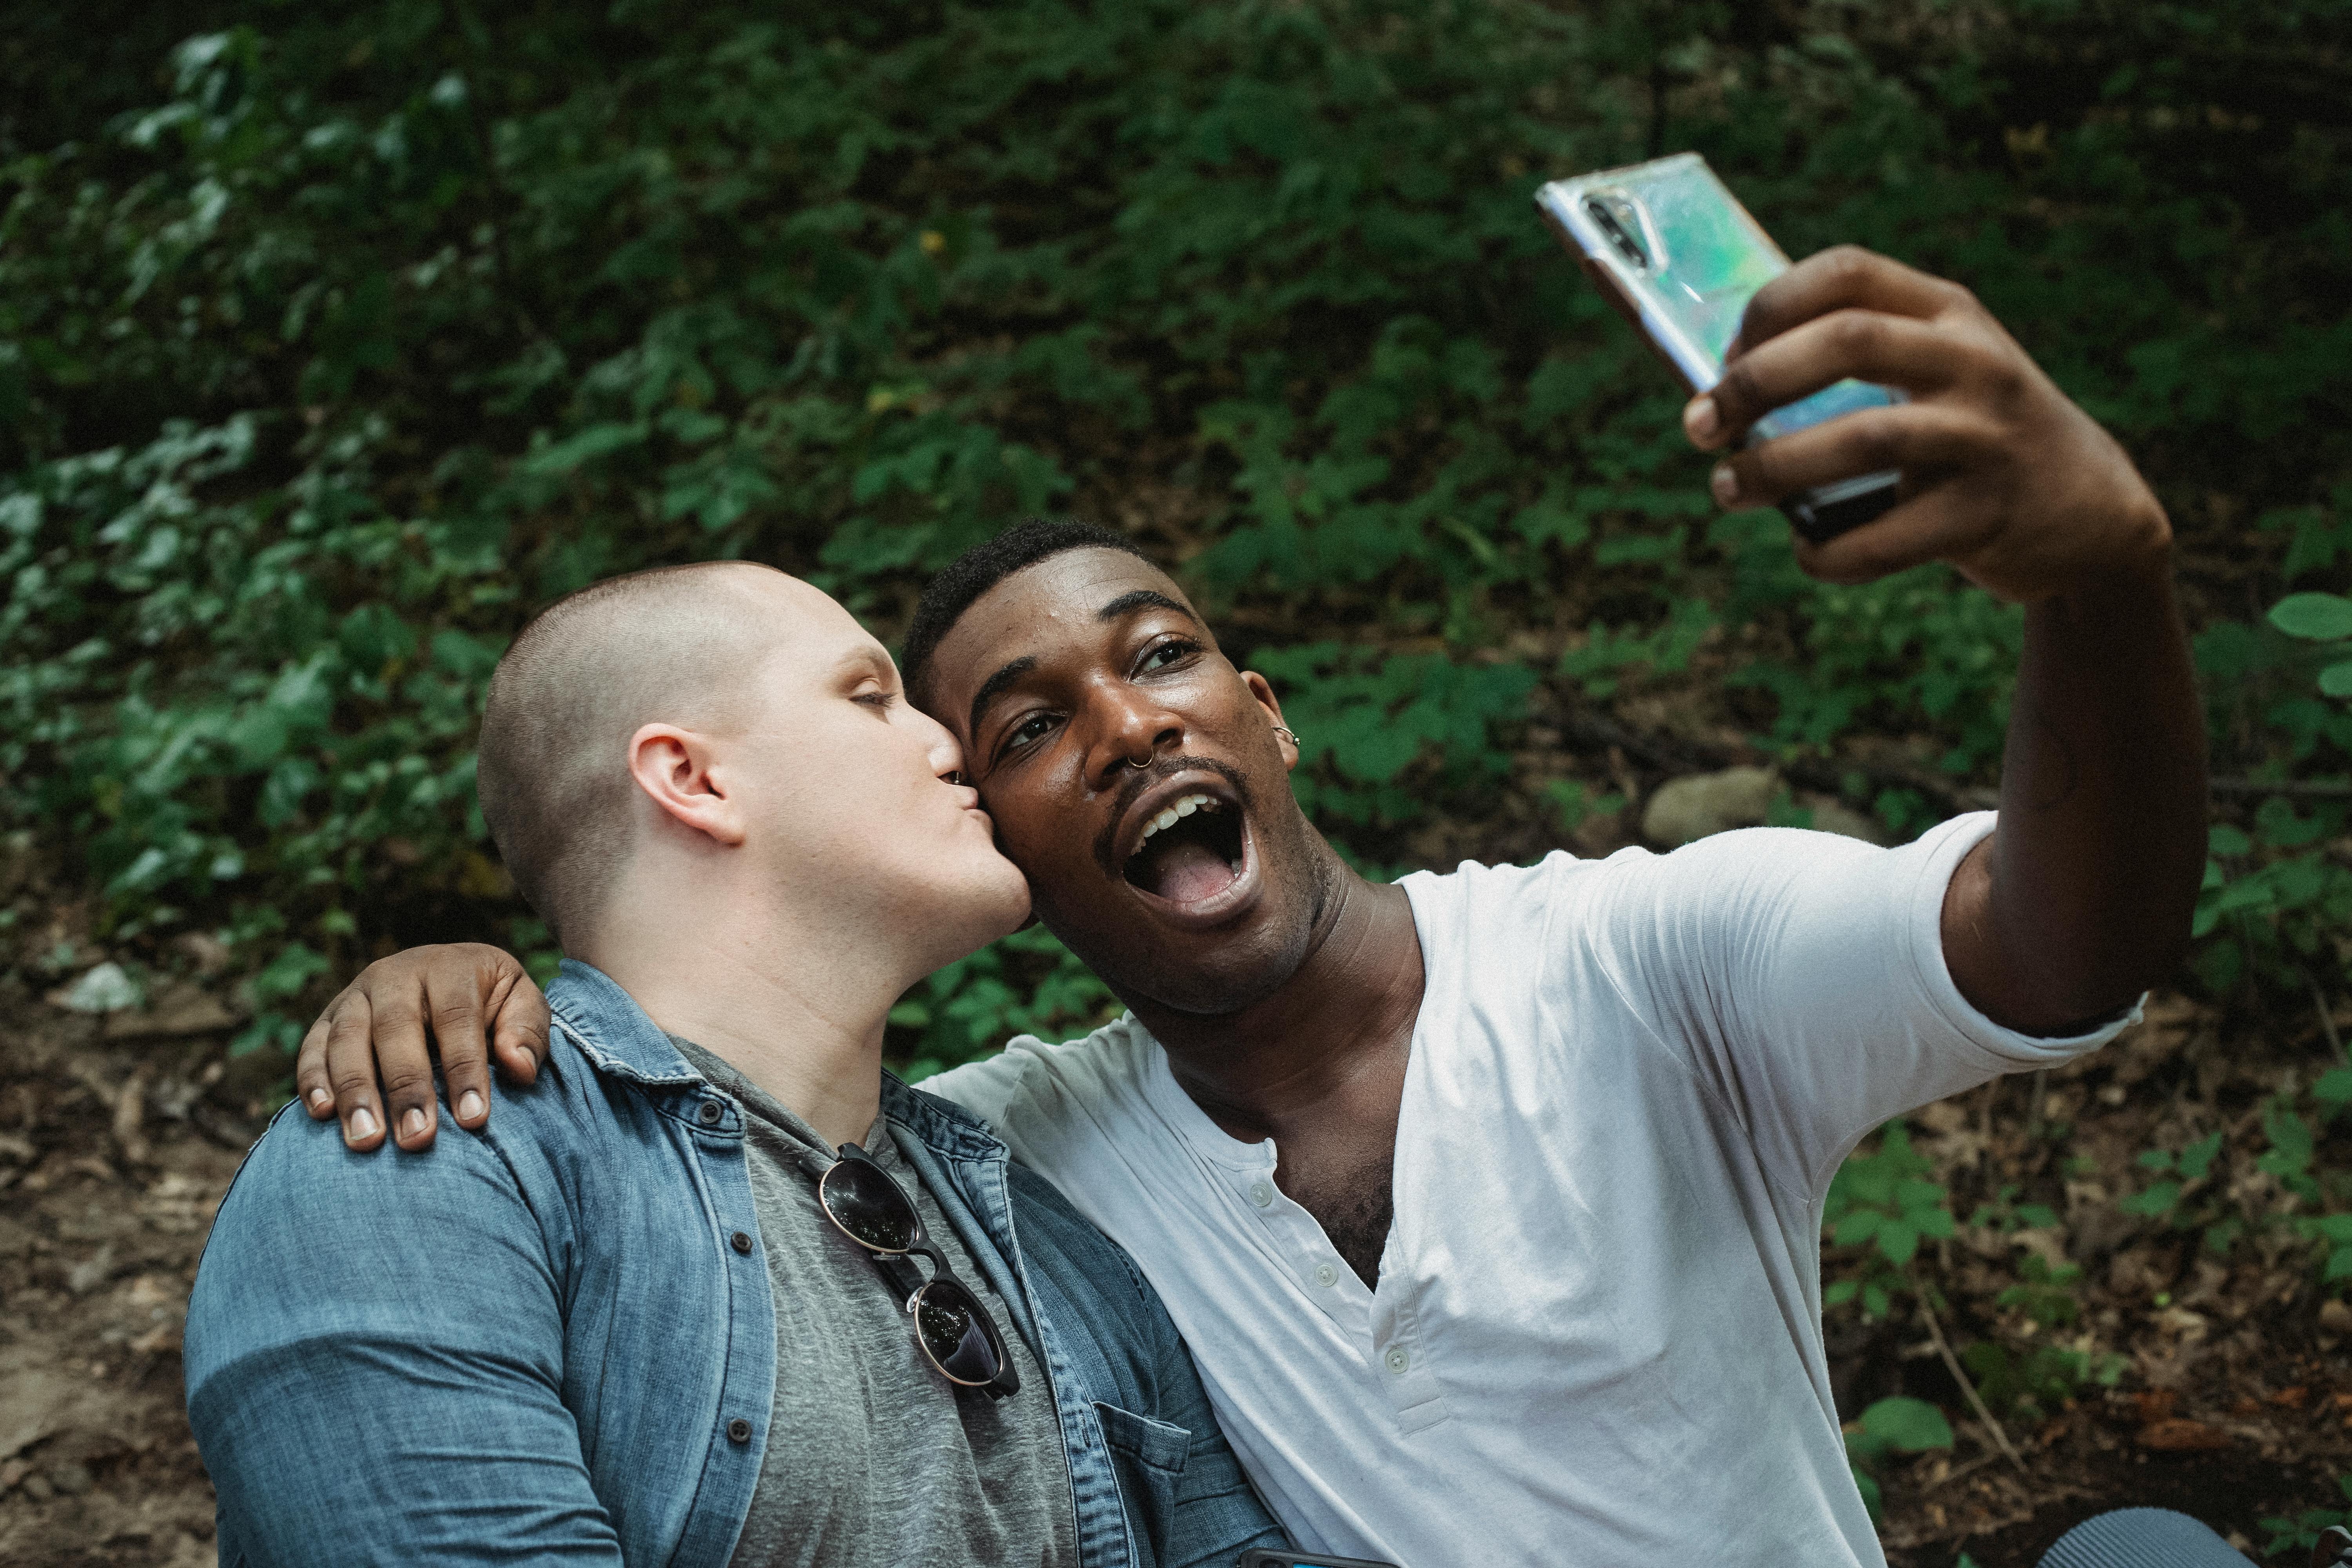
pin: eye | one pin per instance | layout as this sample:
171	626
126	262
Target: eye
1028	732
1166	655
880	702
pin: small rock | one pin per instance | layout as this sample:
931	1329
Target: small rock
38	1488
106	988
2335	1316
1686	809
92	1272
71	1478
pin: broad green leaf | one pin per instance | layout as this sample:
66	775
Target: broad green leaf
2320	617
1913	1426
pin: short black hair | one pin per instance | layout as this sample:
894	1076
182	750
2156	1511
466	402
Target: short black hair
982	567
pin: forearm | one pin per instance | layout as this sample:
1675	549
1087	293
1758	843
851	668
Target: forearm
2083	896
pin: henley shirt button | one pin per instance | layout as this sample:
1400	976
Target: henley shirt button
1260	1193
1398	1360
709	1114
741	1242
739	1430
1325	1275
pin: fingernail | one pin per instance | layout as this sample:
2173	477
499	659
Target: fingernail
1724	483
321	1100
1700	419
469	1105
362	1124
413	1123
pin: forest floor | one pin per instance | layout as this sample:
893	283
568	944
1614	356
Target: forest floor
120	1135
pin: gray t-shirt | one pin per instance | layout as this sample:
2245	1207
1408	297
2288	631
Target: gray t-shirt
873	1457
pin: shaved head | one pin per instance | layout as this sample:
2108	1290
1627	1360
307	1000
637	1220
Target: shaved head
676	645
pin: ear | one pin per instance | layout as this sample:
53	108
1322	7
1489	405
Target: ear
674	768
1260	691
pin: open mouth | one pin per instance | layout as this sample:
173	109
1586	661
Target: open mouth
1191	850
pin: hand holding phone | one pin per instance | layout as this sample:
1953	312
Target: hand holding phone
2000	475
2006	479
1670	245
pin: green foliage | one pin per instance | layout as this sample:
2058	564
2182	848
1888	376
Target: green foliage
2324	619
1028	983
334	349
1894	1425
1881	1204
1370	717
2301	1533
2038	1379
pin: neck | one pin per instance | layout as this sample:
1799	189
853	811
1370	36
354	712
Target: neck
1331	1039
793	1001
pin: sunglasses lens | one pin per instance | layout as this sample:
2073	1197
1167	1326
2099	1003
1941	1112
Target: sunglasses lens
870	1206
952	1326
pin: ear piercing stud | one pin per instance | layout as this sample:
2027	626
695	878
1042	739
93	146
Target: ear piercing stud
1281	729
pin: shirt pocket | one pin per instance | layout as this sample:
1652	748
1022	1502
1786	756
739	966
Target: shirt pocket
1147	1457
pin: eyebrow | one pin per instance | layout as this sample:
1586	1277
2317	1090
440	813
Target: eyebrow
1140	599
870	660
994	688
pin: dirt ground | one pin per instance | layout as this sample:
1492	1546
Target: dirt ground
119	1135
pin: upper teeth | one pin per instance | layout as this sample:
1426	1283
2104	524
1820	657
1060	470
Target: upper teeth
1168	814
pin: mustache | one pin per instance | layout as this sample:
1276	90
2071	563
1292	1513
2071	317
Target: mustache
1141	779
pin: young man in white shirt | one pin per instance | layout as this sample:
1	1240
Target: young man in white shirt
1490	1202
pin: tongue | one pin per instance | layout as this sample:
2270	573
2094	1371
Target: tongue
1189	871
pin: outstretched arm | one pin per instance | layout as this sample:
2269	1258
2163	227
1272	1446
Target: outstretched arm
2082	896
370	1047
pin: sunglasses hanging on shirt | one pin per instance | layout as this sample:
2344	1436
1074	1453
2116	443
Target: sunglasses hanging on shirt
953	1327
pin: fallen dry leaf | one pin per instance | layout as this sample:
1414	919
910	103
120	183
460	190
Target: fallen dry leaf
2179	1434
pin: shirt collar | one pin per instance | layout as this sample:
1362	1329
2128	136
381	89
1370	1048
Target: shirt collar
620	1040
612	1030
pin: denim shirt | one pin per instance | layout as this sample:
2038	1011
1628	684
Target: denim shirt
554	1340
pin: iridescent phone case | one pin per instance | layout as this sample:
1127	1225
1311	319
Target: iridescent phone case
1680	257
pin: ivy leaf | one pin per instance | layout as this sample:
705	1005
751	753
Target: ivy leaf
1912	1426
2322	617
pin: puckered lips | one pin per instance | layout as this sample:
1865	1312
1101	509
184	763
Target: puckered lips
1184	846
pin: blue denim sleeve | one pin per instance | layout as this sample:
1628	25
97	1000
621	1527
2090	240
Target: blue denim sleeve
374	1359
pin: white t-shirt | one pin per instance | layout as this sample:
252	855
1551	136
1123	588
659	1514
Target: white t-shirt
1597	1335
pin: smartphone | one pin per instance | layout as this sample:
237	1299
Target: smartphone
1674	250
1259	1557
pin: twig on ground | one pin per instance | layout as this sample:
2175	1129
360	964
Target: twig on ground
2326	1019
1957	1471
1960	1376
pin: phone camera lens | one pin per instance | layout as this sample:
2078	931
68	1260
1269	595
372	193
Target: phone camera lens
1618	232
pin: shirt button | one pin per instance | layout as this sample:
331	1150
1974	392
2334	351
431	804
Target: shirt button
709	1114
1398	1360
1261	1193
739	1430
741	1242
1325	1275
